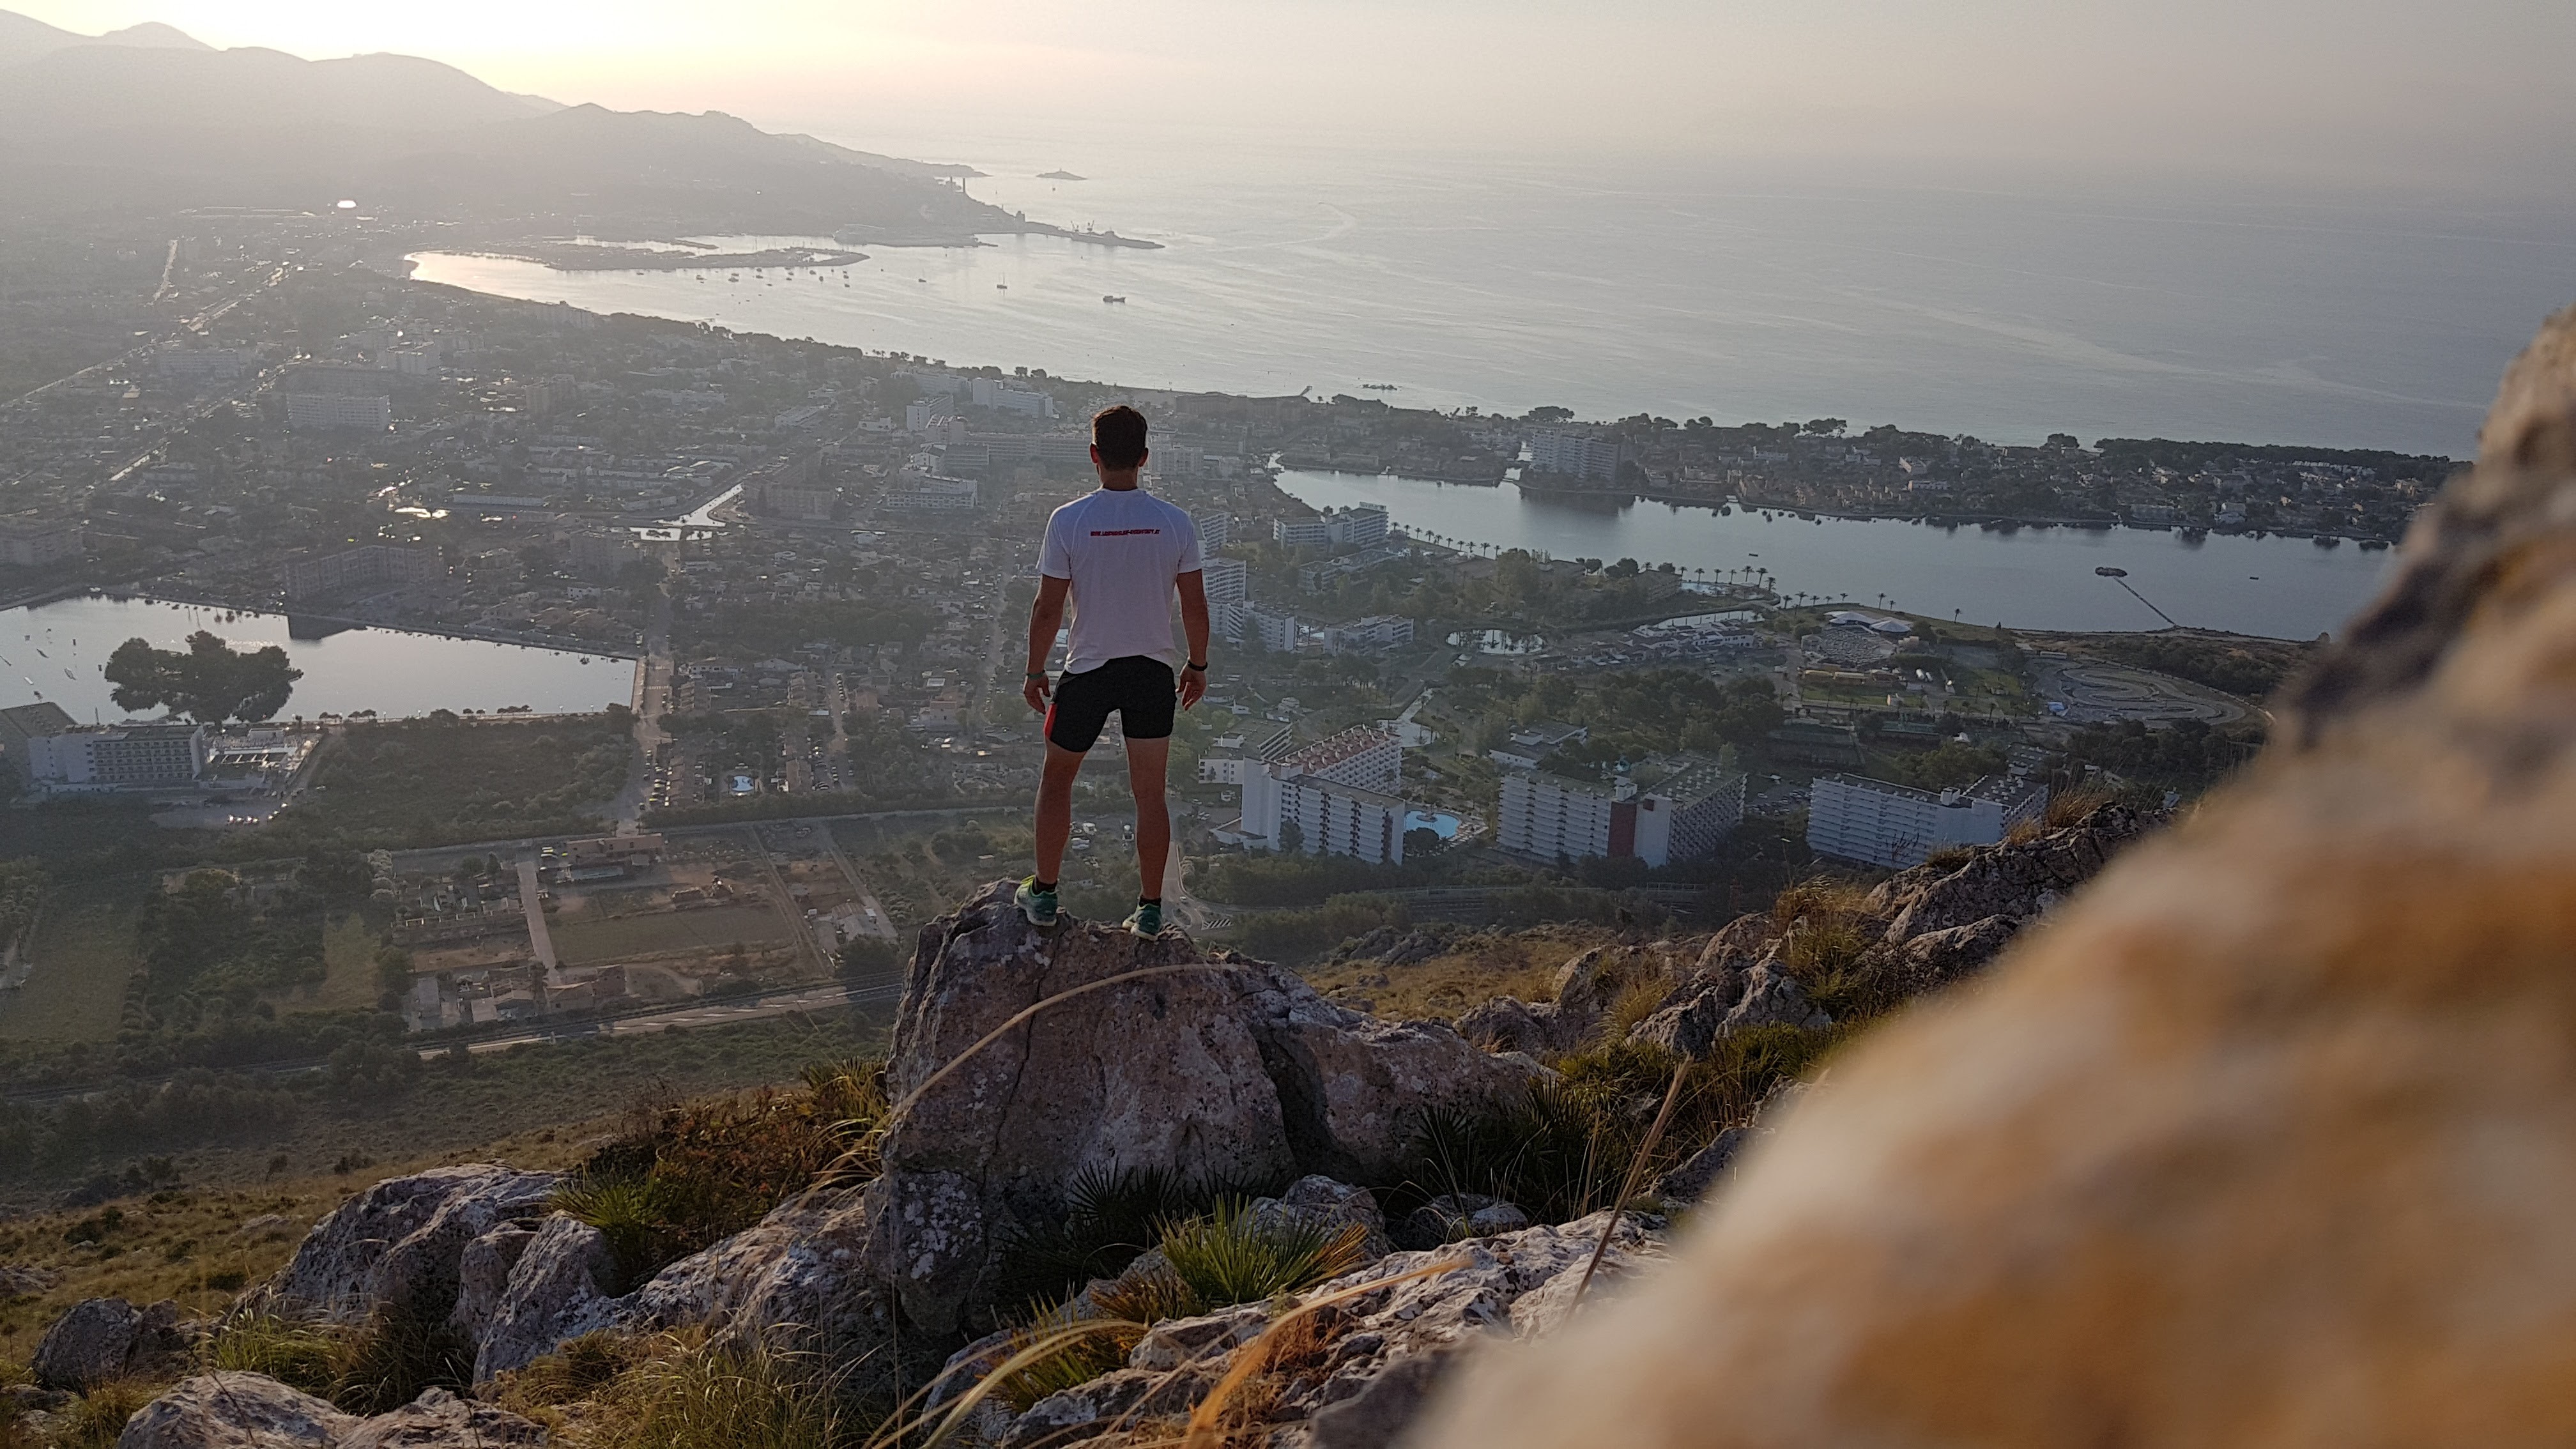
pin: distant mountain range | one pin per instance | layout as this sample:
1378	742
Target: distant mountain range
149	118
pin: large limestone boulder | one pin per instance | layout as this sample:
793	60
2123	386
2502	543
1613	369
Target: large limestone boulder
2266	1136
1214	1068
558	1290
99	1339
400	1244
235	1411
252	1411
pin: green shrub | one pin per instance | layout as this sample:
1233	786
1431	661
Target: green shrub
682	1178
1228	1257
99	1417
703	1398
302	1356
1111	1216
387	1363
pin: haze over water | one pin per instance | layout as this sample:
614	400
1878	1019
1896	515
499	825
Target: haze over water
2005	309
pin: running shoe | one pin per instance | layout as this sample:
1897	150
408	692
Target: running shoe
1037	905
1147	920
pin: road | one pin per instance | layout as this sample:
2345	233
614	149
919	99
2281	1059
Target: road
694	1018
541	941
652	700
867	898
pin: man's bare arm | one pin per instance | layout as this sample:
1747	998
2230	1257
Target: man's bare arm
1046	616
1194	627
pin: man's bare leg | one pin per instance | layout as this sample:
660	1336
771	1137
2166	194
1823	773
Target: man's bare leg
1146	762
1055	810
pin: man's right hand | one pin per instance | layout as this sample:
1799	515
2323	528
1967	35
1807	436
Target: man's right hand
1036	690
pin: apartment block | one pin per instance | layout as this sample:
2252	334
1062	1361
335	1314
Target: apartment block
118	755
1878	823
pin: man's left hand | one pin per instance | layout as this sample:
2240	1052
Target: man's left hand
1193	687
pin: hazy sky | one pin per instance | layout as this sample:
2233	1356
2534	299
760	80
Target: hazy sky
2448	91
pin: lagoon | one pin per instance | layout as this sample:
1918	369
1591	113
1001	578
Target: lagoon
57	651
2033	578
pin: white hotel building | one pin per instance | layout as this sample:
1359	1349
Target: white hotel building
1897	826
1338	793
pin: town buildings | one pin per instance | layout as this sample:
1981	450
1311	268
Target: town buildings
92	756
368	565
1670	812
1576	455
331	398
1357	526
1877	823
1334	797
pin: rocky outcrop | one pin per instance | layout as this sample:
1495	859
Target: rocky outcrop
2259	1140
2015	881
100	1339
253	1411
1320	1202
557	1290
235	1411
440	1420
1218	1069
400	1244
1585	989
1373	1358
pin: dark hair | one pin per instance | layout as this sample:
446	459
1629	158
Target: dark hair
1119	433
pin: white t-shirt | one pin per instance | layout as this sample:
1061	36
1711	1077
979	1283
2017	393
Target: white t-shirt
1122	547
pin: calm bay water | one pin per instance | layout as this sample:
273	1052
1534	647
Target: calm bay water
2035	578
56	652
2008	310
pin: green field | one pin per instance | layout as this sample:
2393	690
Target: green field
83	954
584	943
349	964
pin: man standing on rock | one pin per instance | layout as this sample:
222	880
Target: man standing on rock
1118	554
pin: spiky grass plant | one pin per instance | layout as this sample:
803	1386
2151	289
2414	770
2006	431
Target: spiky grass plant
302	1356
387	1363
1230	1256
700	1397
98	1418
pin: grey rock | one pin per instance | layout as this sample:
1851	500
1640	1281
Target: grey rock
800	1279
1509	1024
25	1280
1157	1072
1120	1396
1320	1201
1215	1067
1177	1341
1935	958
235	1411
1772	997
1693	1015
1691	1180
2017	880
483	1276
399	1243
99	1339
1455	1216
1352	1086
1383	1407
557	1291
440	1420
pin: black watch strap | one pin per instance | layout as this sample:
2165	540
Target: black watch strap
1201	668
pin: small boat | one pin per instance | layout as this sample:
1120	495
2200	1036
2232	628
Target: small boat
1113	299
2109	572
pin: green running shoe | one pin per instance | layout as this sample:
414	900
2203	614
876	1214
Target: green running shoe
1147	920
1036	905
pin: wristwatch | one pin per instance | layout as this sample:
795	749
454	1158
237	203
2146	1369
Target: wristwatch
1194	664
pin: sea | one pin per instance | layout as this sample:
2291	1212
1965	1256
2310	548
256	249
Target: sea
2006	307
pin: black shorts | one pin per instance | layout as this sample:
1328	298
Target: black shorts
1140	689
